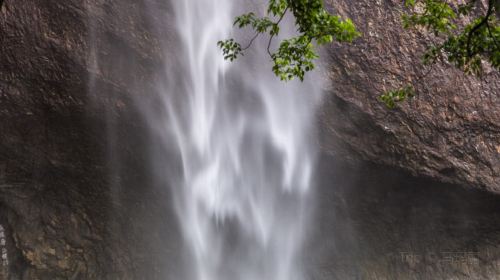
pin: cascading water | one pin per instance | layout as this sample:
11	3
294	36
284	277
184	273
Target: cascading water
245	143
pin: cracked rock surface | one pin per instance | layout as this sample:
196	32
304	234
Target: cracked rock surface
450	131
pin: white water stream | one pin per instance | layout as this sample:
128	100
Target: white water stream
245	141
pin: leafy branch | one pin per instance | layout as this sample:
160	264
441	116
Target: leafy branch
294	56
466	47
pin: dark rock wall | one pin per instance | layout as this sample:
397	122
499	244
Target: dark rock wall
374	222
450	131
73	175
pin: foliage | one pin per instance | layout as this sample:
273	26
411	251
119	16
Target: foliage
391	97
294	56
464	45
466	35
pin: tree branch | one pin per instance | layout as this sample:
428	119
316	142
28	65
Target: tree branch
491	34
269	45
251	41
272	36
477	26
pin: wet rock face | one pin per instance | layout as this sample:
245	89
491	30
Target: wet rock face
374	222
450	131
73	182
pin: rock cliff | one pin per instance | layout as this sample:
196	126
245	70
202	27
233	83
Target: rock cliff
450	131
73	178
76	201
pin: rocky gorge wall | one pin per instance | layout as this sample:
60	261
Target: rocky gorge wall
450	131
76	201
72	145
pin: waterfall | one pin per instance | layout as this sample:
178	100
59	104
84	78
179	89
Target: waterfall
245	145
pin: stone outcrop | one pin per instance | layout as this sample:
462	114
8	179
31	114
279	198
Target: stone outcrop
450	131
